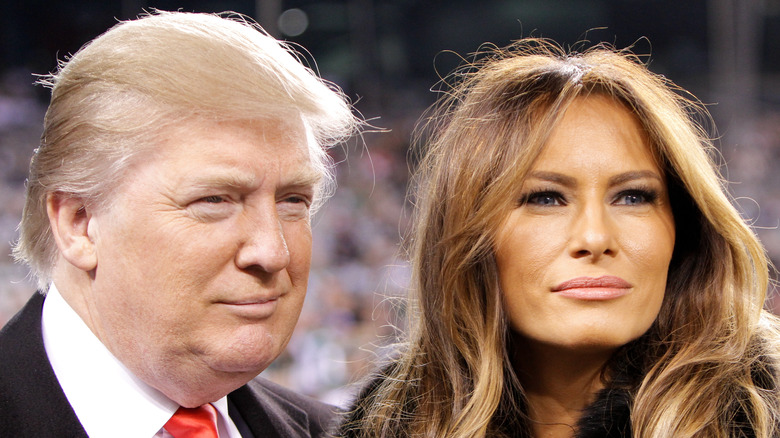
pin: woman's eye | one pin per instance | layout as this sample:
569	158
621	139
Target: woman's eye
635	197
544	199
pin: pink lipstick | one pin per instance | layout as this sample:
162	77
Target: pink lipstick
593	289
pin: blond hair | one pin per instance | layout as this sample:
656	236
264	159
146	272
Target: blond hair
708	362
116	95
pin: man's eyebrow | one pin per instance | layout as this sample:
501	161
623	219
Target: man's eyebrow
307	177
235	180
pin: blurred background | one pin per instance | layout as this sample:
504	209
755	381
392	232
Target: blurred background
387	55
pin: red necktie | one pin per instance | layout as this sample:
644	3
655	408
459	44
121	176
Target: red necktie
200	422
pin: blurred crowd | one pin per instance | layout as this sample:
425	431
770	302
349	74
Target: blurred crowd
21	121
354	309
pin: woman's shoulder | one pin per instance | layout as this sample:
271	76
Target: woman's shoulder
353	418
765	354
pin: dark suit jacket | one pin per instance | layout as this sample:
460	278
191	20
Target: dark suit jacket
32	403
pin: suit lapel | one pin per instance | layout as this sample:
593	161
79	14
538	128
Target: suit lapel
32	403
31	400
267	414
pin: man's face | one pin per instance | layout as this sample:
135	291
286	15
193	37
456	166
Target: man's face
203	256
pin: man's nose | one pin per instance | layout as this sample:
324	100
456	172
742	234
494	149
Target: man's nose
592	232
264	247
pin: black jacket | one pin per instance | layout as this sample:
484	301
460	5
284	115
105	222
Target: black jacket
32	403
609	416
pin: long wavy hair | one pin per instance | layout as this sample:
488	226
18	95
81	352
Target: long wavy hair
709	360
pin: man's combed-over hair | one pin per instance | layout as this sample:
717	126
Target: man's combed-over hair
116	95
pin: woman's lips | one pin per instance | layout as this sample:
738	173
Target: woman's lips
593	289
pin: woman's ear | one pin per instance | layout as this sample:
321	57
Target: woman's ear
70	219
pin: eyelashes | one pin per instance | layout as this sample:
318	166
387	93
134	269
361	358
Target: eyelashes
637	196
634	196
542	198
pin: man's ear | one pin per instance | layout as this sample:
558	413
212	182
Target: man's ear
70	224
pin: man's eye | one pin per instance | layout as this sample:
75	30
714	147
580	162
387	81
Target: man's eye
297	200
213	199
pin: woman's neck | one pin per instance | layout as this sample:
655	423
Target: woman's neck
559	385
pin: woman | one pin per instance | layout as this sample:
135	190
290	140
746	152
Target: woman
578	267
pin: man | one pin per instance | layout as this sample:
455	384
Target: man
168	218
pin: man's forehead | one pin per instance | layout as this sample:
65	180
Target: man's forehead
215	151
300	173
291	134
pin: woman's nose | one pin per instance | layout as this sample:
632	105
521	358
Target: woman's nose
592	233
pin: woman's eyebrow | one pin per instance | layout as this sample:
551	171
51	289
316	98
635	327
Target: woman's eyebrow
634	175
568	181
559	178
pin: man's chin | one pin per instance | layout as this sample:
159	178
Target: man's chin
223	379
245	365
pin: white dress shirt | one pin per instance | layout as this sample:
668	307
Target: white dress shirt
107	398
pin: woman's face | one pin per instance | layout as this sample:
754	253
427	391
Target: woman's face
583	256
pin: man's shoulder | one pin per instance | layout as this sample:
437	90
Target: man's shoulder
21	339
283	406
24	320
31	400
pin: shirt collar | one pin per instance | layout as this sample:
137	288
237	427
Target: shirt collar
107	398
